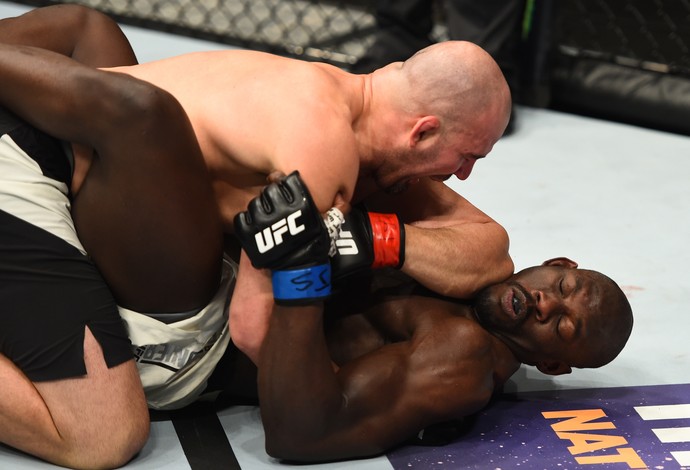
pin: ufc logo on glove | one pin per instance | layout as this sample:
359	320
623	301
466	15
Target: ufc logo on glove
347	246
283	230
368	240
273	235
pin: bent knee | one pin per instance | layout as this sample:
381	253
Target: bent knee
130	443
113	447
131	439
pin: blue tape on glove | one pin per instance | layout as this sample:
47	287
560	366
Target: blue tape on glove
302	284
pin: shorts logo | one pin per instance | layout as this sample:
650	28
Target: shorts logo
346	244
273	235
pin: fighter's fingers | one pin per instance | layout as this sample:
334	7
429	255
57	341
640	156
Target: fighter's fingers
274	176
340	203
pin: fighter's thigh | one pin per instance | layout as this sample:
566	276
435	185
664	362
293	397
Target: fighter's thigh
49	291
92	421
152	226
102	412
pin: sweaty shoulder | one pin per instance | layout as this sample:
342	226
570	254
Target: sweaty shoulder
448	325
261	112
487	359
314	129
460	355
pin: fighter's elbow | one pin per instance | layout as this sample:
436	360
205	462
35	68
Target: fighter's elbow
498	265
490	263
292	440
309	451
501	269
290	448
277	449
469	286
501	266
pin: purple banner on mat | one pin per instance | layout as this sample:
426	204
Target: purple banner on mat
608	428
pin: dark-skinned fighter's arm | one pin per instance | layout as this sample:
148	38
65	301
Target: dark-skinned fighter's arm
432	372
311	412
84	34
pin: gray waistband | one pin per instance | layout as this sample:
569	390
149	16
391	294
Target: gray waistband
169	318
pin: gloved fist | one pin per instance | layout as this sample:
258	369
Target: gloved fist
282	230
282	227
368	240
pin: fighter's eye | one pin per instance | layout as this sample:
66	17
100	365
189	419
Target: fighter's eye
516	305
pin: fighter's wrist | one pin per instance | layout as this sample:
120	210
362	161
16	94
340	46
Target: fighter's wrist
388	240
302	286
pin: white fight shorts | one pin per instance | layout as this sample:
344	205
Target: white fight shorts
176	359
49	289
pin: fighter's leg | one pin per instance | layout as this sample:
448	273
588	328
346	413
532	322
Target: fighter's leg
96	421
146	212
85	34
70	391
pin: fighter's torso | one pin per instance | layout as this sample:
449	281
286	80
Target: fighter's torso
450	327
444	333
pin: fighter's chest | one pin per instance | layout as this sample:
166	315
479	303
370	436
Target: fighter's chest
353	337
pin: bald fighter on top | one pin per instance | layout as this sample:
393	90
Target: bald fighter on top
389	138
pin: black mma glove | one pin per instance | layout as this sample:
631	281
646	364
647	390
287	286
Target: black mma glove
282	230
368	240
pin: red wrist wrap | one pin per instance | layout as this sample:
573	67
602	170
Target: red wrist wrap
386	235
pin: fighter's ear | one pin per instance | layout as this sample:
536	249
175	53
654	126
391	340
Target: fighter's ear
423	128
553	367
560	261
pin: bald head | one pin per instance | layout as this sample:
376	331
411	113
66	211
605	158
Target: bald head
459	82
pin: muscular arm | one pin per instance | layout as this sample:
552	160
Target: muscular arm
311	412
451	246
252	301
84	34
250	308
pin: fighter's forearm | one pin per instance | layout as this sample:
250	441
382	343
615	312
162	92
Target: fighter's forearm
299	394
451	246
86	35
250	309
314	412
457	261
